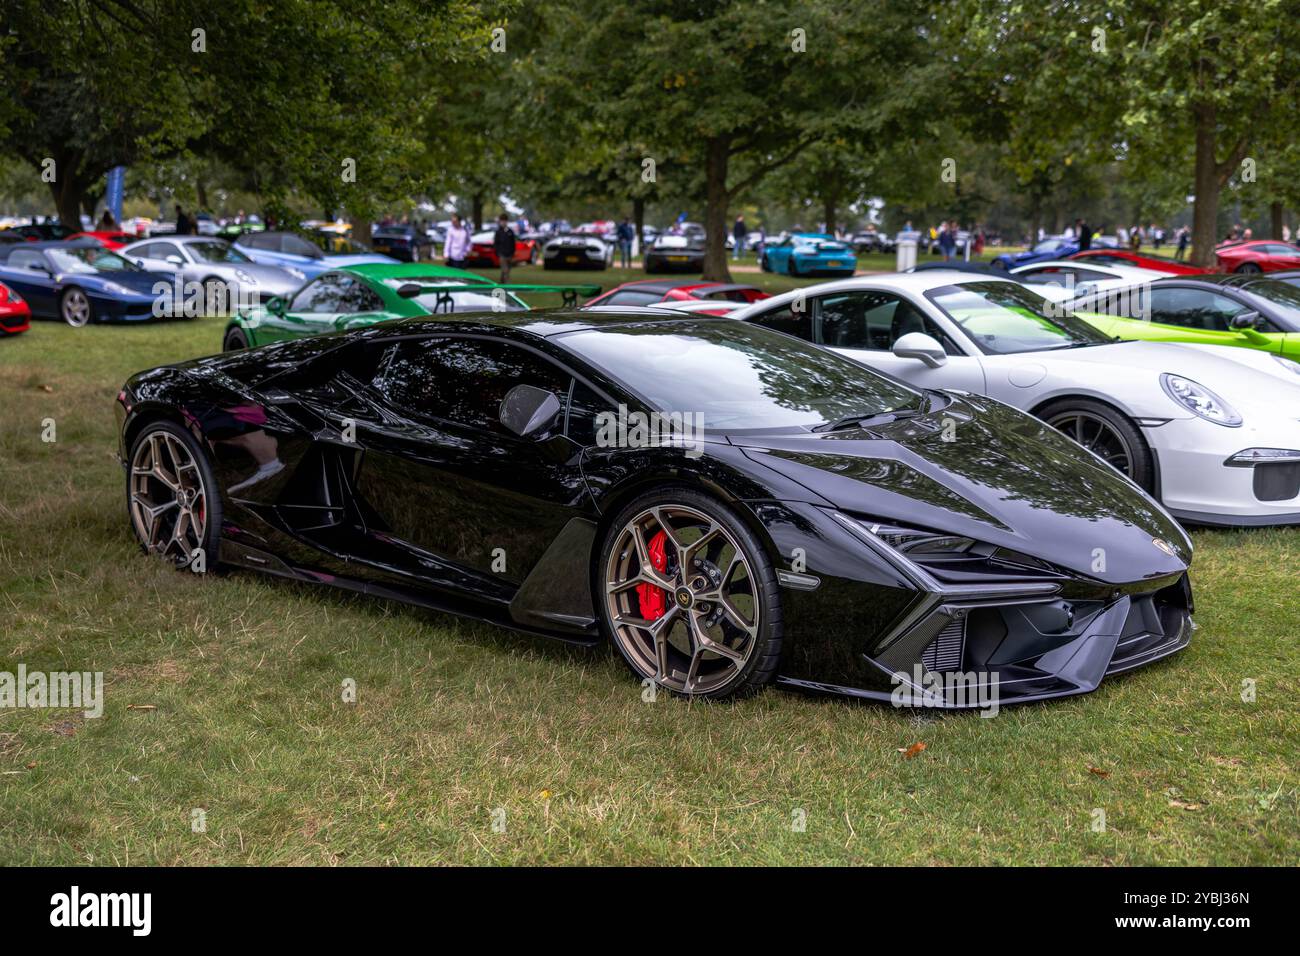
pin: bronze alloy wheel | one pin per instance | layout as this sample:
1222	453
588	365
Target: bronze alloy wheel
168	498
682	599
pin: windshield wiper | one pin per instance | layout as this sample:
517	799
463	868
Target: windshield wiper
863	421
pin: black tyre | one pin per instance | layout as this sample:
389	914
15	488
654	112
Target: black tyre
235	340
1249	268
763	264
688	596
1108	433
75	307
171	497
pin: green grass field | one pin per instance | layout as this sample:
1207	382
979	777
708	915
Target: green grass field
469	744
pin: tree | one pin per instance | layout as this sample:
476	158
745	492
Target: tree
730	91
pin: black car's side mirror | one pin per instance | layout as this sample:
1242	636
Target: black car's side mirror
1245	320
527	410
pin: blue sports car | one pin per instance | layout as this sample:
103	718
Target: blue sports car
809	253
80	282
1057	247
302	259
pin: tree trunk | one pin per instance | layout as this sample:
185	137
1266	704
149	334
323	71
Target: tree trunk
638	219
476	213
715	210
1276	214
1205	210
67	191
829	208
361	229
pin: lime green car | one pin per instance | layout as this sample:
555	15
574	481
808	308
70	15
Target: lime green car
1244	311
353	296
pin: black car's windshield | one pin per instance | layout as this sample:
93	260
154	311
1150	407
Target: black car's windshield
216	251
736	375
86	259
1002	318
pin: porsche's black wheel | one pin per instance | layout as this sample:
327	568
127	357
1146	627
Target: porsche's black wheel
1249	268
689	597
763	264
792	268
171	496
75	307
1105	432
234	341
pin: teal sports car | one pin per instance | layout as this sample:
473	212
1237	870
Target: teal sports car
809	253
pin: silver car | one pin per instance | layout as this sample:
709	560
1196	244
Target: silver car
220	268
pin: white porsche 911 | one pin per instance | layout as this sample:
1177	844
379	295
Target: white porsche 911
1212	432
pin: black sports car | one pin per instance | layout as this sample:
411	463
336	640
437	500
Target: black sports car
670	253
727	504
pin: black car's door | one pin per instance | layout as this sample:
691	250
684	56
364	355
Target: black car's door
457	500
27	272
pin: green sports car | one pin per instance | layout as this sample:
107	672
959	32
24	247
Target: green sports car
1245	311
354	296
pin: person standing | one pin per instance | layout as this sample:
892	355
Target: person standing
1184	236
503	244
626	233
738	233
183	224
947	241
1084	232
455	249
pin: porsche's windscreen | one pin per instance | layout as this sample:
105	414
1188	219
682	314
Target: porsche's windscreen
217	251
737	375
1003	318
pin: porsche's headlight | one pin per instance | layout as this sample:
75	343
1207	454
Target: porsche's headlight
1199	400
243	276
296	273
1286	363
112	288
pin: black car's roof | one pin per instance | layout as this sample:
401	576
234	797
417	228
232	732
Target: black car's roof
544	323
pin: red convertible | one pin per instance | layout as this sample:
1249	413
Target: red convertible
110	239
14	312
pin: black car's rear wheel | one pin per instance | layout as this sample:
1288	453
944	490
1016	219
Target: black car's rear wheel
1107	433
689	597
171	496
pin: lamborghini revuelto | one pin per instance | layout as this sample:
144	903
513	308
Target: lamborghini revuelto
819	524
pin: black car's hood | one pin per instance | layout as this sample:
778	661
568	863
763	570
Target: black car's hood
987	471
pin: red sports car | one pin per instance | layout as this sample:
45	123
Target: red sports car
650	291
1143	260
481	252
14	312
113	239
1258	255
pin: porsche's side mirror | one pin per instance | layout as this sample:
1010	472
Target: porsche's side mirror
408	290
918	345
176	260
275	305
139	262
527	410
1245	320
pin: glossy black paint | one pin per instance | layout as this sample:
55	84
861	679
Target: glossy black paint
326	476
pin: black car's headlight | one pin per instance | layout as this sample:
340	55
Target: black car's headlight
911	541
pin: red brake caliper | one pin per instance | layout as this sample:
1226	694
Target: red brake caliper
654	599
